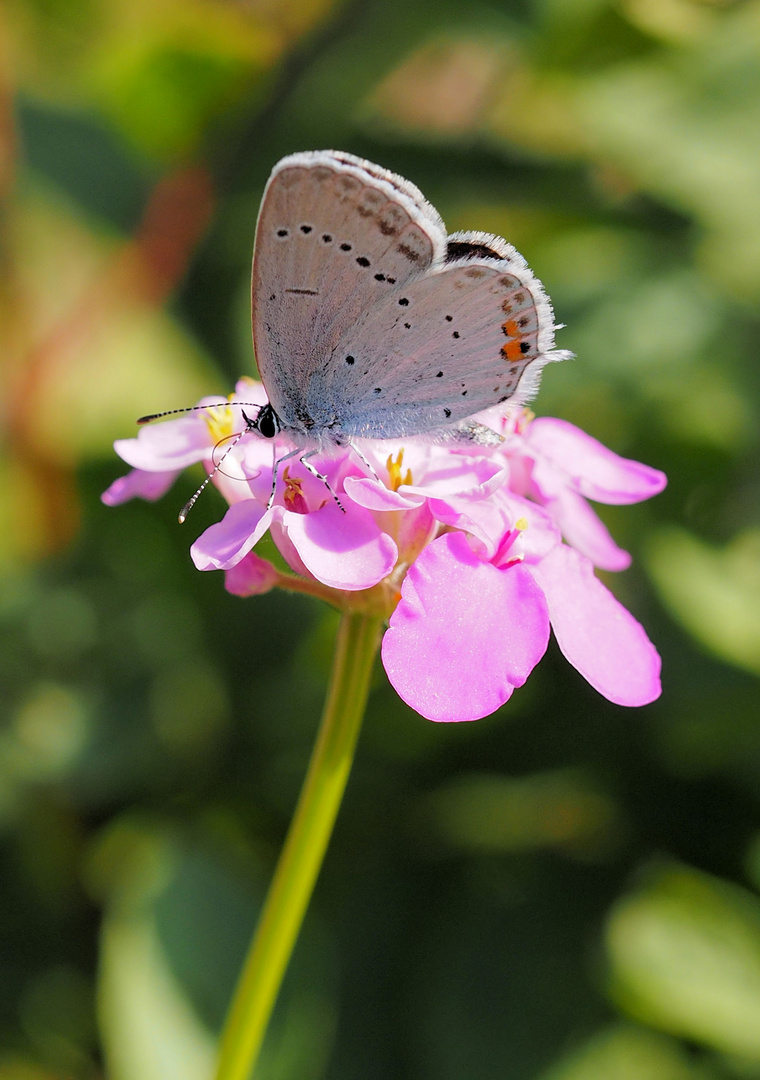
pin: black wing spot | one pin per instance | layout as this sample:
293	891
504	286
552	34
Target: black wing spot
345	247
363	261
409	253
464	393
524	347
523	321
404	302
466	249
306	229
273	296
350	360
327	239
391	280
377	390
282	232
379	277
449	318
439	375
407	325
447	413
455	334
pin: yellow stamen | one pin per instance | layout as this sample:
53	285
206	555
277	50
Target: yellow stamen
395	477
220	423
521	524
294	496
524	420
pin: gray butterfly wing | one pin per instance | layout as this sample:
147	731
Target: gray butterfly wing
451	342
335	236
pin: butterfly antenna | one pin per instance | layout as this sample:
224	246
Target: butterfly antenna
194	499
194	408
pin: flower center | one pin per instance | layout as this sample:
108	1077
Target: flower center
220	423
294	497
395	477
502	557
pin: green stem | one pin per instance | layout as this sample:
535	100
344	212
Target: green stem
305	846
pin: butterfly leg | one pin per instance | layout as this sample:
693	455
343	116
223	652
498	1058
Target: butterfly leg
275	470
320	476
363	460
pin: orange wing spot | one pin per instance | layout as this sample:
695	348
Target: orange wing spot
510	328
512	351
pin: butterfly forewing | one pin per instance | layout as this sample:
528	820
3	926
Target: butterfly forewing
455	341
335	237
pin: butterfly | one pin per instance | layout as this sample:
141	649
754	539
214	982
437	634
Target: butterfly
370	322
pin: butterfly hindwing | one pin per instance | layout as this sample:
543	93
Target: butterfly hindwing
452	342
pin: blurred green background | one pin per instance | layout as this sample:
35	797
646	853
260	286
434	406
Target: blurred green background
563	891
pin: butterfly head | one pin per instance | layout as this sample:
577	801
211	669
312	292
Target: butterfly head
266	423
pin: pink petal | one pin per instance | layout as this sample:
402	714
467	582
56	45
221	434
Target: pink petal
174	444
464	633
249	392
457	474
596	472
223	545
413	532
139	485
252	576
490	521
342	550
287	550
485	520
541	534
595	632
374	495
584	531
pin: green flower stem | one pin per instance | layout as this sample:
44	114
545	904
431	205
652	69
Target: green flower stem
305	846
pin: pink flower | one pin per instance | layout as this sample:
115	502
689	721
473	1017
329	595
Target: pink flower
471	552
161	452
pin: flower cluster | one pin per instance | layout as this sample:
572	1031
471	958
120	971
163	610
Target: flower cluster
470	552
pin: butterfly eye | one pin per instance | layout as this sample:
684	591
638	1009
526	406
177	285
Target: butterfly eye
267	422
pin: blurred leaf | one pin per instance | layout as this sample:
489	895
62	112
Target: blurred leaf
534	110
104	356
205	918
149	1030
561	809
625	1052
684	954
680	130
161	70
443	89
15	1068
171	952
678	22
57	1014
162	95
714	593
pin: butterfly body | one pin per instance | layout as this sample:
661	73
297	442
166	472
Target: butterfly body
369	322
